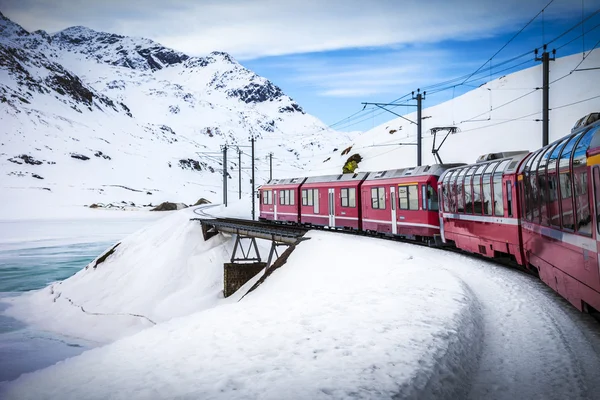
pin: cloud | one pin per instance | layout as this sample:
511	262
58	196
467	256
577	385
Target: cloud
366	73
252	29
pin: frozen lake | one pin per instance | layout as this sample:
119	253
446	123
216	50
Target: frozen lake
34	253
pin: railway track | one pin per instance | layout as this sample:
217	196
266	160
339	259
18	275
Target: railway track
243	224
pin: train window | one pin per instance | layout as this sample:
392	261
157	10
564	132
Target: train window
584	219
424	197
498	200
566	184
455	191
348	197
408	197
432	198
413	197
477	206
543	186
267	197
502	167
596	172
579	153
448	199
282	197
528	206
535	187
553	207
460	185
309	196
487	189
378	198
509	195
580	177
468	191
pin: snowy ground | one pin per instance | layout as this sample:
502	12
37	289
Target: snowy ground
370	319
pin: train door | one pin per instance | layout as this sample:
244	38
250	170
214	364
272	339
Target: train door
331	202
595	210
275	205
393	207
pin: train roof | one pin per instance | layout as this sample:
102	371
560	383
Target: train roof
284	181
436	170
359	176
515	158
586	127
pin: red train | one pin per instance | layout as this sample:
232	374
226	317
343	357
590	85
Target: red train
541	208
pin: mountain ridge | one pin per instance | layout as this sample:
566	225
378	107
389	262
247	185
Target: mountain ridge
150	110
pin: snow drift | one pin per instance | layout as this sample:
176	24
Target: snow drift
365	320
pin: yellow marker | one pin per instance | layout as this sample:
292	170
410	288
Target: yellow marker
593	160
408	184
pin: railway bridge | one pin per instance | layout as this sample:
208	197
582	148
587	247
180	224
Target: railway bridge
246	260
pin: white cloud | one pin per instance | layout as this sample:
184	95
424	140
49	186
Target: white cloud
251	29
370	72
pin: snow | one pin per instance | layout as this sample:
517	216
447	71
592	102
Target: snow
183	111
346	316
368	320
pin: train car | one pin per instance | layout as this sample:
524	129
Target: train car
403	202
559	187
332	201
280	200
479	212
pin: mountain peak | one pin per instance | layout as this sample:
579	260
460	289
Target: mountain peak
118	50
10	29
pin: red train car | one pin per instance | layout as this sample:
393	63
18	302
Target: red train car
332	200
403	202
280	200
479	211
559	187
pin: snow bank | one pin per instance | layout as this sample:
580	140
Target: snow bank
160	272
345	317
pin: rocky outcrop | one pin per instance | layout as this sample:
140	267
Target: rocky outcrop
168	206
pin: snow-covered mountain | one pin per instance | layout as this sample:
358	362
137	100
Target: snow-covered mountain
93	117
501	115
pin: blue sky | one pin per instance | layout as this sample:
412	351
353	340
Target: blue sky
331	55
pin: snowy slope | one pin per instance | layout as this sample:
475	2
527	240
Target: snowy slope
350	325
372	319
498	116
92	117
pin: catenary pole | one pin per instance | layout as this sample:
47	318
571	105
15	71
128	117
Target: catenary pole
252	141
239	173
225	175
545	59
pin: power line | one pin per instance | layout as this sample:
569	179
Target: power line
510	40
573	27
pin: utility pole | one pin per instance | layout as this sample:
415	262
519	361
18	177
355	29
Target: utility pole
239	173
419	97
270	166
252	141
225	175
545	59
